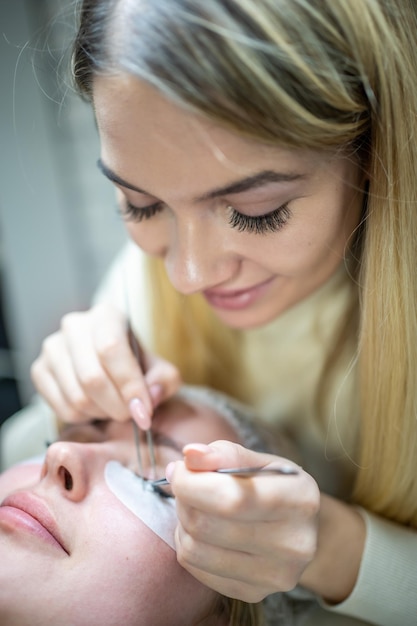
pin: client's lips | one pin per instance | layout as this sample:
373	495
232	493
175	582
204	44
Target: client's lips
236	299
25	511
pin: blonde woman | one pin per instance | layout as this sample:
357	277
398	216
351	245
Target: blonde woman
264	157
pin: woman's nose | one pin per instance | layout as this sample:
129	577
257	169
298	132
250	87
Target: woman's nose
196	257
68	465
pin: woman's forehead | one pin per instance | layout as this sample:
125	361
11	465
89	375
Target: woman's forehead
146	123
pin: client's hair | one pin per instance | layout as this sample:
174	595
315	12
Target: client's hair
240	417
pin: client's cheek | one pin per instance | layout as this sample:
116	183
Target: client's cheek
157	513
22	476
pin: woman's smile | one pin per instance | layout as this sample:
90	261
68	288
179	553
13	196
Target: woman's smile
239	299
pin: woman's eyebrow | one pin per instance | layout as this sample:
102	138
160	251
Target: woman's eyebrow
252	182
239	186
108	173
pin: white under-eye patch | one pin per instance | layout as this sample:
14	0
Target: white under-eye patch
157	513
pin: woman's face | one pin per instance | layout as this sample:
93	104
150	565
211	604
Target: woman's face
90	560
254	228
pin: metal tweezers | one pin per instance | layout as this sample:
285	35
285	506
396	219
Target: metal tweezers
243	472
151	450
138	352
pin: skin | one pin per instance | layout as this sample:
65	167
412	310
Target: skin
182	170
114	570
265	537
179	159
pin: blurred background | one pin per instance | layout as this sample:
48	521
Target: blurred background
59	229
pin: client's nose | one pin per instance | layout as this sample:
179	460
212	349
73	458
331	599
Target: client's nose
66	465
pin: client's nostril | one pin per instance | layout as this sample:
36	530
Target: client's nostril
68	482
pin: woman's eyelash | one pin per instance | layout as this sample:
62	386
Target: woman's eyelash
136	214
260	224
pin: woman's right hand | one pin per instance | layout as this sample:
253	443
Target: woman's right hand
88	370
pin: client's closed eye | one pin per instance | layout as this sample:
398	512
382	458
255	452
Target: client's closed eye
166	450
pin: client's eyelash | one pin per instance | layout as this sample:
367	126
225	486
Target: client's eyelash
133	213
160	491
155	488
100	424
260	224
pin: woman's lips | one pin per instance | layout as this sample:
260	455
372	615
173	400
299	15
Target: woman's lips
25	512
236	300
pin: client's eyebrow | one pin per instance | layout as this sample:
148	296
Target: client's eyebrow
258	179
163	440
93	431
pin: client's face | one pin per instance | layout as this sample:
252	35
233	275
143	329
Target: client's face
72	553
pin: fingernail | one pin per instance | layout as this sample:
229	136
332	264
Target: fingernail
197	447
169	471
155	391
139	414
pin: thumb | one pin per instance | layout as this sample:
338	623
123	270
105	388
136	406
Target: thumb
223	454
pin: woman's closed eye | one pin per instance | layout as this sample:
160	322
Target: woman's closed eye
258	224
132	213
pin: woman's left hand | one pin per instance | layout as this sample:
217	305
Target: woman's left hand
243	537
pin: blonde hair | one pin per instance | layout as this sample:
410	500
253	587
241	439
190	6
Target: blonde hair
333	75
232	612
186	332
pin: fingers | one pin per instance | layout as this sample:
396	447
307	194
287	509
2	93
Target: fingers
238	574
138	391
227	572
226	454
72	373
261	497
54	377
162	378
247	560
256	535
106	367
88	369
244	537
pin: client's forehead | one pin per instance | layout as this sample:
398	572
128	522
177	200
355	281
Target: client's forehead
180	408
193	421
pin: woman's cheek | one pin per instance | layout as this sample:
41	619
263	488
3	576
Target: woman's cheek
22	476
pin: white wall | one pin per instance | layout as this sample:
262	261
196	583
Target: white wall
58	225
